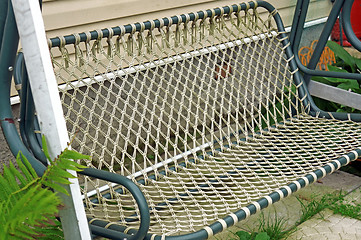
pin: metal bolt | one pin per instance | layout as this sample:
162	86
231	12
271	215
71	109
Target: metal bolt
10	69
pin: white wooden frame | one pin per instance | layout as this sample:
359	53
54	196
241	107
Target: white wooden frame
335	94
49	111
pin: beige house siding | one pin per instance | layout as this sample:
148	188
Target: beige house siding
64	17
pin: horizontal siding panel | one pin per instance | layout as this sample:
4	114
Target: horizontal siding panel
66	17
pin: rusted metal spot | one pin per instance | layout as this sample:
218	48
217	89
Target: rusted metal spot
9	120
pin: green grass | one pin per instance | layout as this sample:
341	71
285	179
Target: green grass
352	209
273	228
270	228
334	202
315	206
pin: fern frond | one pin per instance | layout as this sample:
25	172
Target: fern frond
71	154
33	207
5	189
11	180
69	164
23	181
57	172
50	230
25	167
35	200
28	202
45	149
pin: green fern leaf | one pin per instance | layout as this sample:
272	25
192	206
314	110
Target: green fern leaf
25	167
25	208
62	172
50	230
57	187
64	164
17	174
11	181
31	210
25	233
5	189
71	154
45	149
57	179
69	164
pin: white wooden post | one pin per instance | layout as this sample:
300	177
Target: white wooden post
48	106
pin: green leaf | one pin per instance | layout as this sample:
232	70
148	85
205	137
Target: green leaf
23	181
11	181
342	53
58	179
71	154
57	187
27	174
341	110
21	158
262	236
243	235
336	80
350	84
32	207
321	80
5	188
336	69
45	148
69	164
25	205
61	173
27	202
51	230
358	63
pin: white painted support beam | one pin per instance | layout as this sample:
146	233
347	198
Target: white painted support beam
334	94
49	111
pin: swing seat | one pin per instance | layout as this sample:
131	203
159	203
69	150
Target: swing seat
206	113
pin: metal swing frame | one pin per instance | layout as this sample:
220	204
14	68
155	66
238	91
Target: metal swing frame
29	144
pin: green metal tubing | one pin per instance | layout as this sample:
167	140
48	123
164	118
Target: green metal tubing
28	121
100	230
134	190
298	29
8	51
346	23
296	17
312	72
298	23
70	39
337	115
303	91
335	11
3	14
263	203
29	130
19	78
114	232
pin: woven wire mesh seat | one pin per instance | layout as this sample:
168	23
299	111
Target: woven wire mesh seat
205	112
